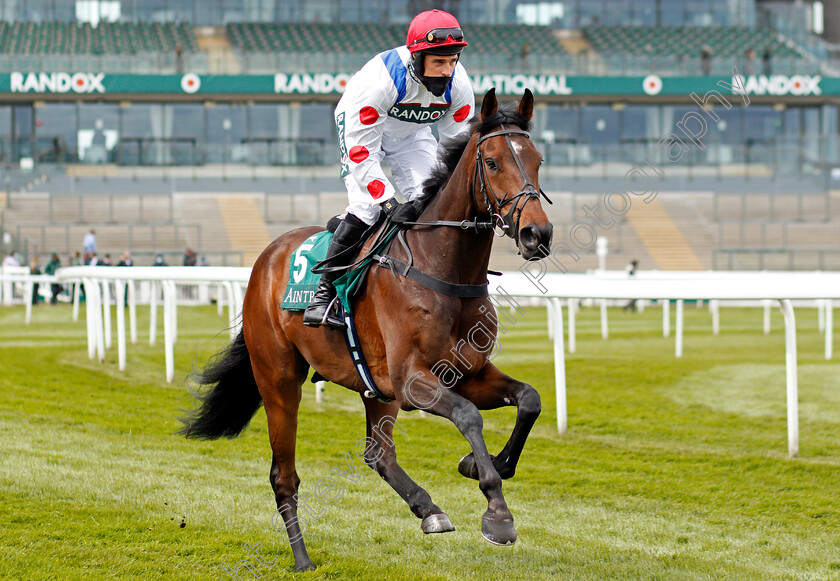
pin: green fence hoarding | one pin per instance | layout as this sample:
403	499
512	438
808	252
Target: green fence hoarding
93	84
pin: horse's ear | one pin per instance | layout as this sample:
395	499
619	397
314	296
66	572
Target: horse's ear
489	105
526	105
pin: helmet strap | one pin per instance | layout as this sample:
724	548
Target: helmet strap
418	63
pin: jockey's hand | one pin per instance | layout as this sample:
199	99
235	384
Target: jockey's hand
397	212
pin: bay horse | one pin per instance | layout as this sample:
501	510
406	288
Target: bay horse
407	331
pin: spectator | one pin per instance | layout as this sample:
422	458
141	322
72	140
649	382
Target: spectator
91	259
179	59
80	260
107	261
159	261
10	260
190	258
35	268
706	61
766	62
524	53
202	260
89	242
749	68
60	150
52	266
125	259
631	272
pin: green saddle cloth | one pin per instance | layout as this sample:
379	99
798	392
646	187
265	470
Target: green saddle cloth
303	283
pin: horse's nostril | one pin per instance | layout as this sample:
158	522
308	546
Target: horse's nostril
528	238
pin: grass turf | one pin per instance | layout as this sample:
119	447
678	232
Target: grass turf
672	469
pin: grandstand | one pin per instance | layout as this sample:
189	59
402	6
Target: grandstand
117	38
152	161
689	41
506	40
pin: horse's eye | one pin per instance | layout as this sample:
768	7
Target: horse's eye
492	164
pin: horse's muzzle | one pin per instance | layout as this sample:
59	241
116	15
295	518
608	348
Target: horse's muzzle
535	241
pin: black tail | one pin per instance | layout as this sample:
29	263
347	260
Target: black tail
231	396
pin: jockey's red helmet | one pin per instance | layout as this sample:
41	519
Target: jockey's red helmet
435	31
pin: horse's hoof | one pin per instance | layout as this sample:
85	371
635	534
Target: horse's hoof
498	532
467	467
304	567
437	523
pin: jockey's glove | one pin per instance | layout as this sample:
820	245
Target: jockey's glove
397	212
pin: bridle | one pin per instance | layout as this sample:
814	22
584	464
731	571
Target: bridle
509	223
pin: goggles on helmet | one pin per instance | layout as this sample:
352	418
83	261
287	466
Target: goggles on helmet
440	35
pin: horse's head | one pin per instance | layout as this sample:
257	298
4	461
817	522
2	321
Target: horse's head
507	165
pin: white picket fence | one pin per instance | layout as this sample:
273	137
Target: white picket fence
784	287
759	288
164	280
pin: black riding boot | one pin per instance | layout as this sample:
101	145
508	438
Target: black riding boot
318	311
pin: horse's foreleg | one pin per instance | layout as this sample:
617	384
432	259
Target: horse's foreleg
493	389
497	522
381	455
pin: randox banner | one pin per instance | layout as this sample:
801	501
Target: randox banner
99	84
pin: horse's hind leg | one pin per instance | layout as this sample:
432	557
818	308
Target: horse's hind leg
280	381
492	389
381	455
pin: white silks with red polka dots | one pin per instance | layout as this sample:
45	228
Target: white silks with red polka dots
386	114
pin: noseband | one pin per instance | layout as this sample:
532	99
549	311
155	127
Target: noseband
510	221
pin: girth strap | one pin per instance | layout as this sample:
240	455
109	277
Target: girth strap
354	346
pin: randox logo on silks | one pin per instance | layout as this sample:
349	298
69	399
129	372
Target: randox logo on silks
342	147
57	82
416	113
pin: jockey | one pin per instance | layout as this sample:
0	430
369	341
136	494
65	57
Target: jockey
386	114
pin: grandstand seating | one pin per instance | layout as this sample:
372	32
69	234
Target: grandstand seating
117	38
362	38
252	38
688	41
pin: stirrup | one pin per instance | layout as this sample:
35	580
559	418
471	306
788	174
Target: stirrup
332	309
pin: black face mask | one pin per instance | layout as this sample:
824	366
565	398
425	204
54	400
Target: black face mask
436	85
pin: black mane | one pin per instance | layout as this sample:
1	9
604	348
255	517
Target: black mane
450	152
